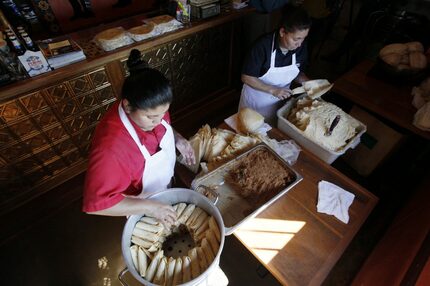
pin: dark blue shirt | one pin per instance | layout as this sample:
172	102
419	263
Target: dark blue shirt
267	6
257	62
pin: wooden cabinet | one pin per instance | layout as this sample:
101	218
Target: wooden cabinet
46	134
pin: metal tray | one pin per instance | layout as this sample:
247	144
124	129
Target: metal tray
234	209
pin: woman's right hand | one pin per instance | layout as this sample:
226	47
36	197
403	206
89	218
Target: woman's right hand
281	93
162	212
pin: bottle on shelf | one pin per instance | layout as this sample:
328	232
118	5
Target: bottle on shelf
19	49
10	34
30	45
29	42
11	68
20	29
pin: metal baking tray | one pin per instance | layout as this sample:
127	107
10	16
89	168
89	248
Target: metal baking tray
234	209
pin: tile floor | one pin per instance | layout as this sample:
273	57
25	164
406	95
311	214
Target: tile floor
71	248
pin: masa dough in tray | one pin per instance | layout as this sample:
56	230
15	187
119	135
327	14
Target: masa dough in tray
314	117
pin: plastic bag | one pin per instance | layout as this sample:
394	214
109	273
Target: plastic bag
112	39
287	149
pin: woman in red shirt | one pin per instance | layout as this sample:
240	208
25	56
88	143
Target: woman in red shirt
133	149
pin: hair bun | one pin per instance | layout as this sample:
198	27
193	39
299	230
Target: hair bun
135	62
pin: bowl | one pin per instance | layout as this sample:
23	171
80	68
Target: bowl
174	196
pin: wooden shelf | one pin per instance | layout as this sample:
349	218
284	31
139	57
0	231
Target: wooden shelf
32	84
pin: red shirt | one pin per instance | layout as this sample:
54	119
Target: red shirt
115	163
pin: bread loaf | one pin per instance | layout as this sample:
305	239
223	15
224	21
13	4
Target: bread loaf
408	56
417	60
392	59
114	38
249	120
415	47
393	49
142	32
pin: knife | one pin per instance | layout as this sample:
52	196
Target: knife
332	126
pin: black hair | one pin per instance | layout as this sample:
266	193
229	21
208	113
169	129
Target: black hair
145	88
295	18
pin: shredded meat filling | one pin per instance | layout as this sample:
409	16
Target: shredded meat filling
259	176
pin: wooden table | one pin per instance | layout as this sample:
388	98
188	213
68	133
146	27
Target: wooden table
298	245
391	102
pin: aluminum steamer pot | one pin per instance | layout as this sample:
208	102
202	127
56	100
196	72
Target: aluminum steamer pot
171	197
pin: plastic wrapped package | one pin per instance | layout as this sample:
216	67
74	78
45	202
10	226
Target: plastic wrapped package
164	24
143	32
112	39
287	149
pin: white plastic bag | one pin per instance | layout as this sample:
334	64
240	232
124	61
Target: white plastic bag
287	149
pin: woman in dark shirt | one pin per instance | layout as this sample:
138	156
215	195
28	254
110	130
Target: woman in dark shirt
273	63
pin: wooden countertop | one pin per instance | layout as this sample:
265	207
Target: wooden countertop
391	102
298	245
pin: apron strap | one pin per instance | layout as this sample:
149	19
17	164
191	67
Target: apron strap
165	124
127	124
273	53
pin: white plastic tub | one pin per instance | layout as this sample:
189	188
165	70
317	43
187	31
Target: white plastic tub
291	130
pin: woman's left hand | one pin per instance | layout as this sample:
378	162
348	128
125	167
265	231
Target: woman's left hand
184	147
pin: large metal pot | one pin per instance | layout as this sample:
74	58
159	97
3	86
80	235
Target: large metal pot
174	196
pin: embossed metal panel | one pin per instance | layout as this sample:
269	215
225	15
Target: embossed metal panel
44	133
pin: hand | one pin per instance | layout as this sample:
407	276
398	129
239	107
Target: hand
281	93
162	212
184	147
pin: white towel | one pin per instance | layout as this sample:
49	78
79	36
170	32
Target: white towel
422	117
334	200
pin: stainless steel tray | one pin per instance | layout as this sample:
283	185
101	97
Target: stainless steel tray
234	209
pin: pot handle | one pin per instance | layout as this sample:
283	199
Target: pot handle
121	277
209	193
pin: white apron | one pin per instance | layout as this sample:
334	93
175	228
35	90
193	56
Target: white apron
265	103
159	168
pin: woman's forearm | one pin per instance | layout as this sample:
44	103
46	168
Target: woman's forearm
257	84
128	206
136	206
184	147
